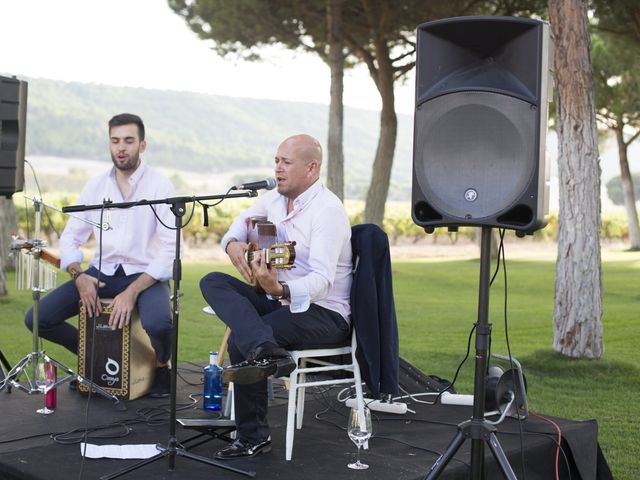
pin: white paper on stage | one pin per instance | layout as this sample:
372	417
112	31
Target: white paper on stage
119	451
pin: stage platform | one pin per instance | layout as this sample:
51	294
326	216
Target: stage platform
403	446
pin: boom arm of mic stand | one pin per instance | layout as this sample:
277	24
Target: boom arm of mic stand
105	226
170	201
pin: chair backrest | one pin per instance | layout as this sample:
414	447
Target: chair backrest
373	309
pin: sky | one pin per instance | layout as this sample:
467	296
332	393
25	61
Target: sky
142	43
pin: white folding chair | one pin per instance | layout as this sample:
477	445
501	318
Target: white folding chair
298	381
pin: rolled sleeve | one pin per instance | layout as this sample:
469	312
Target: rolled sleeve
75	234
300	300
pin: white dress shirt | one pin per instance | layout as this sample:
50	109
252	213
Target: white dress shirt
320	227
136	240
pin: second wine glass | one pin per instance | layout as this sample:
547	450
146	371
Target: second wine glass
359	430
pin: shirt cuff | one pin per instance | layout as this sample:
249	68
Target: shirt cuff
68	258
300	298
159	272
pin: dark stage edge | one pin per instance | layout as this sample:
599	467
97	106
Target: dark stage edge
403	446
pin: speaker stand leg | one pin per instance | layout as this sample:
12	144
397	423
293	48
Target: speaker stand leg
478	429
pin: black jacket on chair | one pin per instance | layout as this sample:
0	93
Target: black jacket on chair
373	310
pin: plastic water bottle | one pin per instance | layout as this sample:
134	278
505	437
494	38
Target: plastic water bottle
212	384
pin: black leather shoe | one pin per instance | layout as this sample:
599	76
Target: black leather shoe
252	371
267	349
161	383
242	449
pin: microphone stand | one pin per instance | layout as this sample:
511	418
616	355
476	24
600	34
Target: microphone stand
171	450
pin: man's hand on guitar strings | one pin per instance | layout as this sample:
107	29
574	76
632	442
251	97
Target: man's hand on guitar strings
237	252
265	276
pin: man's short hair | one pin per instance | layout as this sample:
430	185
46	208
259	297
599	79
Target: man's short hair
127	119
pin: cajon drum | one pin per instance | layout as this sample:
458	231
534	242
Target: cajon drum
124	361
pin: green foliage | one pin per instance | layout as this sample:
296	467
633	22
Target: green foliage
616	66
614	188
397	223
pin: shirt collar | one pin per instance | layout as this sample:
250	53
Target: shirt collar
135	177
306	196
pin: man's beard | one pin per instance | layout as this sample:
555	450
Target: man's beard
131	164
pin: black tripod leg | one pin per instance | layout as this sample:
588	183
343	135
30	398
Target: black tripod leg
500	457
135	466
5	363
183	453
165	452
4	369
447	455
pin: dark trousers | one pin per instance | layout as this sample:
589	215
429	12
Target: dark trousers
254	319
62	303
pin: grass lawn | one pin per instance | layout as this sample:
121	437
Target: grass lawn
436	303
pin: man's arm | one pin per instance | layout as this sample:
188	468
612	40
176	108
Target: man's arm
330	236
76	232
87	288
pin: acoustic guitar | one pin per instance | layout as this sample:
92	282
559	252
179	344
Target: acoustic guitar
262	236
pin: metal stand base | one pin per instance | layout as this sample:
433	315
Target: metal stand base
171	451
477	431
12	378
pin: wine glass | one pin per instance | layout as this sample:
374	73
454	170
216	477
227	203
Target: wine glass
43	383
359	430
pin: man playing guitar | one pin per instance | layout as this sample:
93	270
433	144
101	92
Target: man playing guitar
305	305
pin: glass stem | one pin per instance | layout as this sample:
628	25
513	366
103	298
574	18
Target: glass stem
358	457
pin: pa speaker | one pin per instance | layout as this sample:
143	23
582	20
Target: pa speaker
13	123
482	92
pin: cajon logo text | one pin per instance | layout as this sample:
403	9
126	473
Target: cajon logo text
112	369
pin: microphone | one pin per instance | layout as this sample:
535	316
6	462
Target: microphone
268	184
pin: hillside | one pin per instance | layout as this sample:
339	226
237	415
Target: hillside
221	140
202	134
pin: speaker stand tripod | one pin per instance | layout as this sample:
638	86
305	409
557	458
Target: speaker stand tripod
478	430
38	355
171	450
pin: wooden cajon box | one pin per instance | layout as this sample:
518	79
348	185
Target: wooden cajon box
124	361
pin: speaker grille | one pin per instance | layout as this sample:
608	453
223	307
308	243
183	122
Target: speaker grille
473	152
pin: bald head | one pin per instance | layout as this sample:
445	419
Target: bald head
306	147
298	162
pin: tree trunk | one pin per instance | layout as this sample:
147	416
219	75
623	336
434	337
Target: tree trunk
8	226
577	314
3	279
381	174
335	154
628	192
